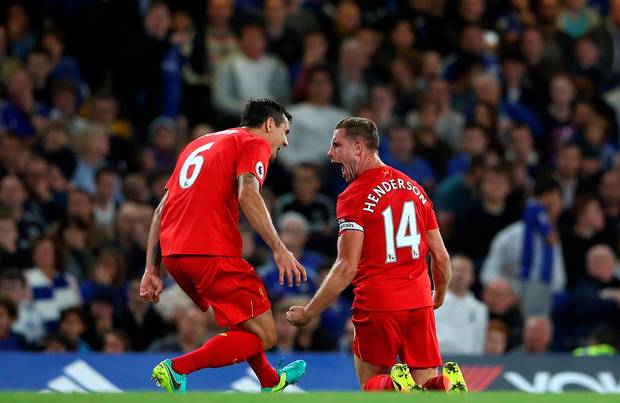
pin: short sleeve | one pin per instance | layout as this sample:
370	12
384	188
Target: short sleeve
254	159
431	218
349	214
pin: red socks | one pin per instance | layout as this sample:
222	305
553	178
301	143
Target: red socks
437	383
381	382
224	349
266	374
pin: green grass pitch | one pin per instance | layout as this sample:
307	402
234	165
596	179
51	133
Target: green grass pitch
486	397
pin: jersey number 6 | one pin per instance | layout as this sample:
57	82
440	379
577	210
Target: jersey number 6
196	161
406	235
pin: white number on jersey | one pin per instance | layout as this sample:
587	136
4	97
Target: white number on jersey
406	235
196	161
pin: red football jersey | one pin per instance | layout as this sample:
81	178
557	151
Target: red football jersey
394	213
201	216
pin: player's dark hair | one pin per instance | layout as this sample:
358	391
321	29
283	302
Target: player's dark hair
257	111
546	184
366	129
10	307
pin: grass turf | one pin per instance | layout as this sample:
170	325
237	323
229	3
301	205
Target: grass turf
486	397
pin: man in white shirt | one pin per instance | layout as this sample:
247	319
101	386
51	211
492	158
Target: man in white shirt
314	121
462	320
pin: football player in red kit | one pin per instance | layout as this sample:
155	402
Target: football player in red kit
386	228
195	231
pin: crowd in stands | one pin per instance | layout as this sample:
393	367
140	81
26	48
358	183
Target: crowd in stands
507	112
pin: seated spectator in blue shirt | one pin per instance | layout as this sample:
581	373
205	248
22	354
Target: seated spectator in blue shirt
8	339
293	229
21	115
474	142
400	155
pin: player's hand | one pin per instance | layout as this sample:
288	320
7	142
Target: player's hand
438	298
289	267
298	316
151	287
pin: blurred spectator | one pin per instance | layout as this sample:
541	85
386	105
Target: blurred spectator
609	191
528	253
192	332
101	312
92	147
462	319
474	142
219	37
48	204
10	255
313	120
598	292
250	73
449	121
568	166
352	82
282	40
55	147
315	49
64	106
317	208
20	36
537	335
503	306
21	115
115	342
39	66
29	322
402	156
72	325
496	341
520	149
253	253
139	320
132	225
106	276
293	229
287	334
13	198
558	117
487	216
53	290
576	18
135	189
587	231
455	194
436	151
9	340
63	66
164	142
104	203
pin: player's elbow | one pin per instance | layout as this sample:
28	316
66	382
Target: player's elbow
347	270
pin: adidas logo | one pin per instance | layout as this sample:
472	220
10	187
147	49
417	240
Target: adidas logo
250	383
80	377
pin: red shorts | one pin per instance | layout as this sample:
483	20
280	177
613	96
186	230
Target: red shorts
382	336
229	285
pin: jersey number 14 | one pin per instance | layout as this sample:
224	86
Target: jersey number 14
407	234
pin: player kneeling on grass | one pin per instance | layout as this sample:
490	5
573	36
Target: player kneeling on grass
196	223
387	226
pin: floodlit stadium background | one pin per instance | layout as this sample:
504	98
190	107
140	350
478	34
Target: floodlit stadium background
478	100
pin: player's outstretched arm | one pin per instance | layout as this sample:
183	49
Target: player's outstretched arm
440	265
151	285
255	210
339	277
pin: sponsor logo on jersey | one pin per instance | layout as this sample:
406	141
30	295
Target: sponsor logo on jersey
260	169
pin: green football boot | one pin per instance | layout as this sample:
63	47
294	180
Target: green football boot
402	379
289	375
452	371
167	378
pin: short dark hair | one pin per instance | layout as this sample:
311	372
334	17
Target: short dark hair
366	129
10	307
546	184
103	171
257	111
